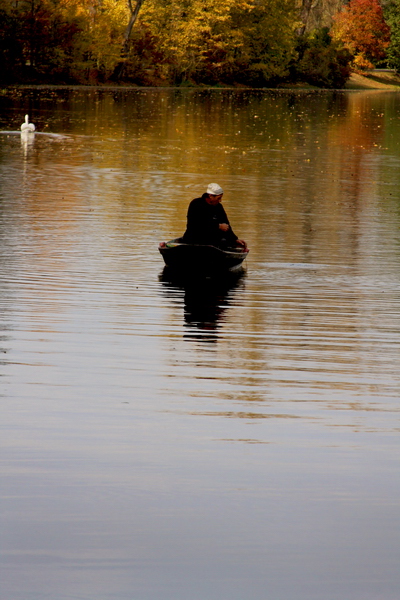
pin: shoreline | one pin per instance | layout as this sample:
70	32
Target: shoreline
379	79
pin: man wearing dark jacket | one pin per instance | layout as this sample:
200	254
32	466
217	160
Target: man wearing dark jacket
207	222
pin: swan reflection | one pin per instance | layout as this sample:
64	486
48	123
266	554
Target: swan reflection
27	140
205	301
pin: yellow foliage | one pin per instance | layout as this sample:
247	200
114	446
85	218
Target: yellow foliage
102	23
361	63
188	31
175	40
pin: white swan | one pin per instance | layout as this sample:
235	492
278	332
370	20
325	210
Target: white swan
27	126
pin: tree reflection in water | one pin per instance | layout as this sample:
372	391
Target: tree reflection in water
205	300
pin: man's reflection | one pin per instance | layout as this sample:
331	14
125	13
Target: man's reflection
205	301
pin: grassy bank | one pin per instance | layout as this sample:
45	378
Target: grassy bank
374	80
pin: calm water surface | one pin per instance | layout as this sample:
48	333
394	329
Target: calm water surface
224	440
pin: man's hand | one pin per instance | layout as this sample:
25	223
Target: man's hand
241	243
224	226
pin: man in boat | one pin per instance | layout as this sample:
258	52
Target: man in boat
207	222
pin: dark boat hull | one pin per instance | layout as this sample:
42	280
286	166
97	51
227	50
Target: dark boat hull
194	258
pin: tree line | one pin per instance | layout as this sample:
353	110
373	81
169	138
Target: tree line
192	42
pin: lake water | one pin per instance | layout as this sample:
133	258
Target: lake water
224	440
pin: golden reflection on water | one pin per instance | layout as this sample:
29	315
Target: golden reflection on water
302	177
123	385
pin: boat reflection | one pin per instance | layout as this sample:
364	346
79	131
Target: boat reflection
205	300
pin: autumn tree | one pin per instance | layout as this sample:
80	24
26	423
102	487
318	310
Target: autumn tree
221	40
11	55
61	40
361	26
159	42
38	41
98	47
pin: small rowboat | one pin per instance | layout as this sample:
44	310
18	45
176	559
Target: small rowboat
195	258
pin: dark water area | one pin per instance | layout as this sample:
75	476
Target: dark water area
213	439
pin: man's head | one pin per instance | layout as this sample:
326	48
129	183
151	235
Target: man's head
214	194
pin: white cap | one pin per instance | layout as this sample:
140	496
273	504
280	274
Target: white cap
214	189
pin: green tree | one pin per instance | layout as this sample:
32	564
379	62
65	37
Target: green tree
321	61
269	40
391	11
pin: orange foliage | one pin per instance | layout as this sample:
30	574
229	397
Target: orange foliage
362	28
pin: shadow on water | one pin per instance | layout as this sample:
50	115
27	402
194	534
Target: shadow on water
205	300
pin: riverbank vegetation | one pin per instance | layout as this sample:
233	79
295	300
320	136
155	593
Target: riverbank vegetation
192	42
